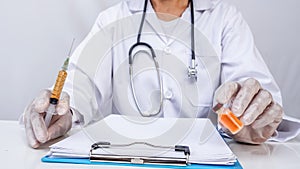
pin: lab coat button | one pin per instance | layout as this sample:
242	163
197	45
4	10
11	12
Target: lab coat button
167	50
168	94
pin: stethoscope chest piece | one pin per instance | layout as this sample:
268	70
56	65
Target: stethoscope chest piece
192	71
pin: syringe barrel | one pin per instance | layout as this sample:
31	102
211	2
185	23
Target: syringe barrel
59	84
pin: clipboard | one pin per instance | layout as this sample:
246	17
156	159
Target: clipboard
140	159
86	161
202	147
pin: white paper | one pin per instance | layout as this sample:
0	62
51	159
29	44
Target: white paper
205	143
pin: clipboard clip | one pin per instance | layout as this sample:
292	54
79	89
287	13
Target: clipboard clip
139	159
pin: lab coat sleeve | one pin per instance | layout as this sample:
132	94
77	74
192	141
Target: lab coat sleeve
287	130
87	102
93	92
241	60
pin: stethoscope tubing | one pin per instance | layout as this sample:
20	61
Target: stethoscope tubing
192	71
146	113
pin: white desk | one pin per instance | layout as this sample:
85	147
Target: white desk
16	154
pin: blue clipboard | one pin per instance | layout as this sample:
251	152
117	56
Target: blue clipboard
47	159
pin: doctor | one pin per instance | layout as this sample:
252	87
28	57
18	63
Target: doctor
236	71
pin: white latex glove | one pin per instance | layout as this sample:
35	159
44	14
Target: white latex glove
36	130
254	106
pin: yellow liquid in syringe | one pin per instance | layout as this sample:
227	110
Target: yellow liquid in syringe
59	84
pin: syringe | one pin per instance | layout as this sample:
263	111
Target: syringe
55	94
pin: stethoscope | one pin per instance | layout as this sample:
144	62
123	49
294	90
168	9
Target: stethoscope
192	71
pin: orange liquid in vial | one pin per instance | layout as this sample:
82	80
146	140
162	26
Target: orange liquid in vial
231	122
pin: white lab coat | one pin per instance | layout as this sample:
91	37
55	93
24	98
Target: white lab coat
98	80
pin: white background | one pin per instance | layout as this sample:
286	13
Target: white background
35	36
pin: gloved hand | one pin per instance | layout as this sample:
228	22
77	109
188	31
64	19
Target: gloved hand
254	106
36	130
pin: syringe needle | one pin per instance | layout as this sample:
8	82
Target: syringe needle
69	54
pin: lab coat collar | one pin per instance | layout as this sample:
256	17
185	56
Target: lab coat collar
199	5
136	6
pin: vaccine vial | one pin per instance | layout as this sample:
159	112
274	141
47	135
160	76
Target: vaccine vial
228	119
